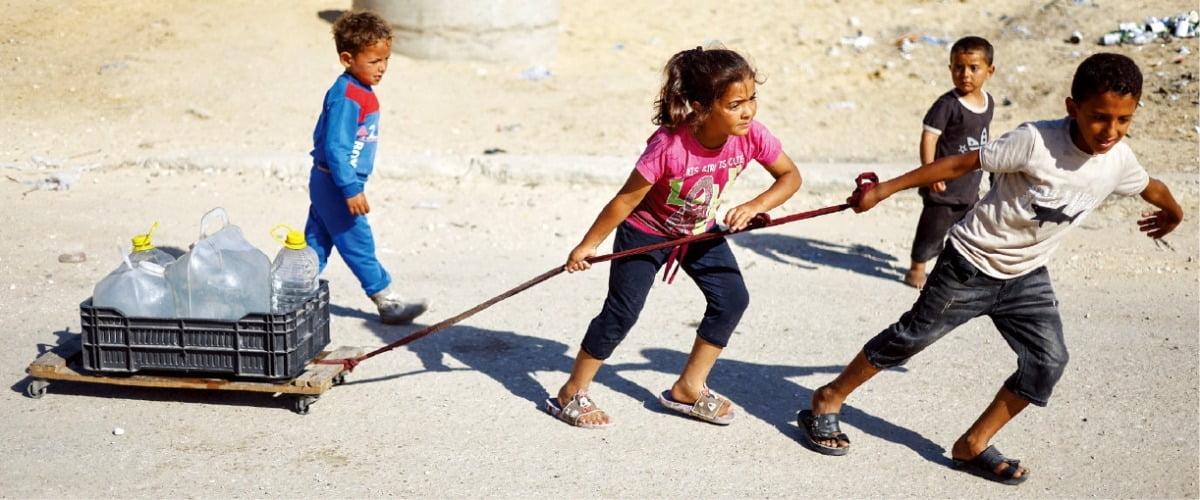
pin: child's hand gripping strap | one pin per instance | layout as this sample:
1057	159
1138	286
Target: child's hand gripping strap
864	183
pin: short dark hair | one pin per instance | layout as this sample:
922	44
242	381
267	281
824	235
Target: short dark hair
1106	72
973	44
357	30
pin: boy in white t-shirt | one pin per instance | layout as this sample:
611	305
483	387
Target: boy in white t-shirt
1048	176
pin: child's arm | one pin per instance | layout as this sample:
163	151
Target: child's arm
944	168
1158	224
610	217
787	181
928	151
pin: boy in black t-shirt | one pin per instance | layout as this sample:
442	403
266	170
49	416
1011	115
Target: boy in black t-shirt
957	123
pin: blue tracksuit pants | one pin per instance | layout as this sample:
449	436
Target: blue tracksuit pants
330	225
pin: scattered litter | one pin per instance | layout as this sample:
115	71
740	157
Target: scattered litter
493	151
1075	37
536	73
860	42
427	204
118	431
514	127
59	181
72	258
43	162
112	66
1182	25
936	40
618	46
199	113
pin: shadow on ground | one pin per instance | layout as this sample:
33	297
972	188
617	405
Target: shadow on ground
809	254
763	391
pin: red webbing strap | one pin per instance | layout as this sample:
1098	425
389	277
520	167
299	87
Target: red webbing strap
864	182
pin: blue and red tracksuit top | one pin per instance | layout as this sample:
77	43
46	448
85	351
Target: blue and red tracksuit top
347	134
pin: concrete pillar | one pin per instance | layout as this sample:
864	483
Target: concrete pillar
524	31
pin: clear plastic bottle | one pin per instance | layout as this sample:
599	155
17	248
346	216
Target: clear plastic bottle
223	276
293	272
137	289
144	250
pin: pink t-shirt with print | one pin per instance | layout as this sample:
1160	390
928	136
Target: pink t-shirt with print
688	178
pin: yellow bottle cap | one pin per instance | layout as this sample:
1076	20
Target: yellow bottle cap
141	242
294	240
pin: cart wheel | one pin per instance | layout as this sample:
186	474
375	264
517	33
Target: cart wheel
339	379
37	388
303	403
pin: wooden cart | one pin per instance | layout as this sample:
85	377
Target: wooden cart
64	363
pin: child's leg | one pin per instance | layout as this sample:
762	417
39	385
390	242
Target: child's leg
356	245
936	219
317	237
1003	408
829	397
915	277
349	233
715	270
629	282
694	377
957	292
1027	317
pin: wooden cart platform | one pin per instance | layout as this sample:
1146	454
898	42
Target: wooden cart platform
64	363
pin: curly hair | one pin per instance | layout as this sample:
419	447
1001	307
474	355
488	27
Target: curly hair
1106	72
357	30
697	75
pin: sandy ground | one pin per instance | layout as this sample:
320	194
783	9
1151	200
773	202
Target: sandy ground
149	111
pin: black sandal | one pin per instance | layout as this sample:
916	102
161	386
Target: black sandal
984	465
822	427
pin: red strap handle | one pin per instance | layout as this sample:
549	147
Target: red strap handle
865	182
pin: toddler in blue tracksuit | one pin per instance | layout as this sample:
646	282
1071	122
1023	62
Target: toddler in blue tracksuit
344	144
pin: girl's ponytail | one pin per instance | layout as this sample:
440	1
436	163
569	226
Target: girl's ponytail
697	75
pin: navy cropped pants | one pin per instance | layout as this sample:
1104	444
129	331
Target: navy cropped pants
709	263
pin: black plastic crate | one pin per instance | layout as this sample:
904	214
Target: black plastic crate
258	346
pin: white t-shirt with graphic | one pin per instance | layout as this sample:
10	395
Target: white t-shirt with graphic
1044	185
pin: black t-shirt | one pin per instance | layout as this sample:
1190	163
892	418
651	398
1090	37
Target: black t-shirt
960	130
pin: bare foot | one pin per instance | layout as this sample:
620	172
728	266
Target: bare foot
915	278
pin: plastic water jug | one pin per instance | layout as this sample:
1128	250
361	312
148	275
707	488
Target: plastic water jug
223	276
144	250
293	272
137	289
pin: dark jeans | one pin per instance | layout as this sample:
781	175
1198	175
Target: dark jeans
1023	309
710	264
936	219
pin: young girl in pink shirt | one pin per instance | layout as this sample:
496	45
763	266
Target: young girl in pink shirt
706	137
